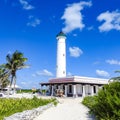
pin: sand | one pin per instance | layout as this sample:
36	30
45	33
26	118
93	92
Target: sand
67	109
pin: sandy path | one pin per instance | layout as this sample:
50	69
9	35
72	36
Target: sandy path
67	109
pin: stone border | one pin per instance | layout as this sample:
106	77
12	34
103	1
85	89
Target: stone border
29	114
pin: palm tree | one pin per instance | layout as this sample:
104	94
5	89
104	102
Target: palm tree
4	77
15	62
115	78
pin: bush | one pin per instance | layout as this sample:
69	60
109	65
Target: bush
24	91
89	101
11	106
106	105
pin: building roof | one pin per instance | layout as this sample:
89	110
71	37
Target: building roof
77	80
61	34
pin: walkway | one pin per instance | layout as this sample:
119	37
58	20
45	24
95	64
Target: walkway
67	109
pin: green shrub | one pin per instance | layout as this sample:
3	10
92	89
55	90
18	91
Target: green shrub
13	105
89	101
24	91
106	105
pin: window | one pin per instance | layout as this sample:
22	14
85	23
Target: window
94	88
70	88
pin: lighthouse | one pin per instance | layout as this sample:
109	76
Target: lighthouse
72	85
61	55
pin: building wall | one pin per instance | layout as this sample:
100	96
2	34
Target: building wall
79	89
61	58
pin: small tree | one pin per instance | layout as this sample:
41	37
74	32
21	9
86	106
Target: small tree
15	61
4	77
107	105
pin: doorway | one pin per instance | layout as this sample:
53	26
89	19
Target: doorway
70	89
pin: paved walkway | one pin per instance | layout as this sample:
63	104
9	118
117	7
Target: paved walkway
67	109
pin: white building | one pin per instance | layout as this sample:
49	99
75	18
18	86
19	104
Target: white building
75	85
61	55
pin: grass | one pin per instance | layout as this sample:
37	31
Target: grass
13	105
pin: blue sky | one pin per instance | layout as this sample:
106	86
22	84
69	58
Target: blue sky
92	29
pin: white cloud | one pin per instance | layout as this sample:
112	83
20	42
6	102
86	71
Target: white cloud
73	16
44	72
9	52
90	28
102	73
75	51
113	62
26	5
34	75
33	22
75	35
111	21
69	74
96	63
30	84
23	83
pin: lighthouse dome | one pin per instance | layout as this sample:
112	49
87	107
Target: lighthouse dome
61	34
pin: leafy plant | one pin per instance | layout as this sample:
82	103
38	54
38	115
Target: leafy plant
15	61
89	101
105	105
25	91
4	77
12	105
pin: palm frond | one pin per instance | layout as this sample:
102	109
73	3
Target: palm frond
24	66
117	71
8	58
15	62
114	79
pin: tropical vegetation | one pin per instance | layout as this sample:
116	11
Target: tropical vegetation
4	77
15	62
11	105
106	104
25	91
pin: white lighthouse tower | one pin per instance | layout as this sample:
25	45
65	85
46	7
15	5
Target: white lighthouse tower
61	55
72	85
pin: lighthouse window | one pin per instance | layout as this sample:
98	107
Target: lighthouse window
63	54
63	72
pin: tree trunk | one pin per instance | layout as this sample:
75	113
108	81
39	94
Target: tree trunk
14	84
11	82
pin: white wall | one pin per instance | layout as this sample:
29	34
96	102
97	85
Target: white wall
79	89
61	57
